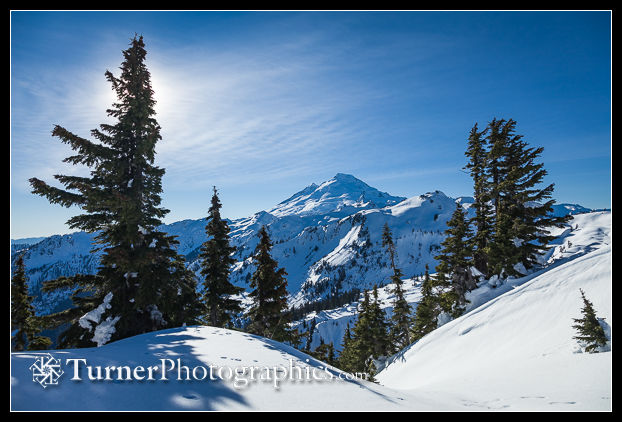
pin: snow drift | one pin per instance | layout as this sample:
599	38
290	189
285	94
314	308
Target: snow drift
512	350
516	351
195	347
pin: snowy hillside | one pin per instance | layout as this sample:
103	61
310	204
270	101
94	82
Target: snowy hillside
513	350
516	351
201	347
584	233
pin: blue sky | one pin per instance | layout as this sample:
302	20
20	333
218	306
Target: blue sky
262	104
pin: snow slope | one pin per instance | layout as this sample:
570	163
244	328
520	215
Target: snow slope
583	234
513	350
516	351
200	346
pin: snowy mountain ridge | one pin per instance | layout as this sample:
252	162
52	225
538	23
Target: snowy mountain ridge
326	236
584	234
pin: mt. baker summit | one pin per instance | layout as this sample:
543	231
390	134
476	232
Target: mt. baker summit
343	194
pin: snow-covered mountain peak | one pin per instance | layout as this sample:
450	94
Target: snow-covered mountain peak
437	203
342	194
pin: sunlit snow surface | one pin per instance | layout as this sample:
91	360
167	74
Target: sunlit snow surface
200	346
513	350
516	351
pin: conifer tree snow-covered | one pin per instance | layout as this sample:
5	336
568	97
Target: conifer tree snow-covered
522	210
590	333
24	323
269	314
216	260
399	333
142	284
455	262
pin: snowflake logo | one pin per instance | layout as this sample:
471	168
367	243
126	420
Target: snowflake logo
46	370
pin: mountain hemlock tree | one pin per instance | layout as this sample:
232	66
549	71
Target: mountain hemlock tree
521	209
483	220
325	352
141	281
24	324
454	264
216	258
370	335
379	327
347	357
428	308
358	348
590	333
269	314
399	332
21	308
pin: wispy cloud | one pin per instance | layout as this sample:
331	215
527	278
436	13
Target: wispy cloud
257	102
227	117
244	116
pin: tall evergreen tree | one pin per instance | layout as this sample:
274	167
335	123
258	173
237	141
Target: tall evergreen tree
590	332
25	325
370	335
325	352
347	357
428	308
387	242
360	345
216	260
455	262
21	308
522	208
478	168
399	333
149	284
269	314
378	327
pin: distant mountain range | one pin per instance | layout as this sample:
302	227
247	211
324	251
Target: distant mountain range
326	236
